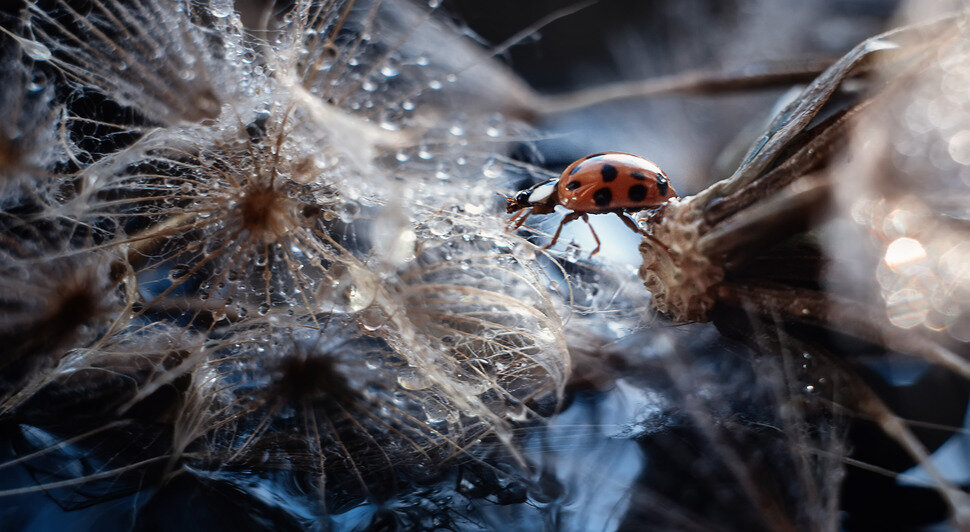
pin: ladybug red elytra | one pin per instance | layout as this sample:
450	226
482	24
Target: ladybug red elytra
610	182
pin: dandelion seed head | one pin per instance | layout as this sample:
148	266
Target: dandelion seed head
153	57
49	306
304	215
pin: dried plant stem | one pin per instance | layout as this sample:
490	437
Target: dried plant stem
786	212
766	74
851	317
869	403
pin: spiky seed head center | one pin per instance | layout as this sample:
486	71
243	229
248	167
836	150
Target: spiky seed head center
262	212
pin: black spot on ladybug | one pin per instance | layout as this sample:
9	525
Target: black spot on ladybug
639	175
661	185
637	193
572	185
602	197
609	172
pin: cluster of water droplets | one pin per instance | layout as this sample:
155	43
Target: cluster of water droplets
153	56
29	138
312	208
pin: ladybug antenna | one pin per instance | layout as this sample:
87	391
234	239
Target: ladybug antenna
511	204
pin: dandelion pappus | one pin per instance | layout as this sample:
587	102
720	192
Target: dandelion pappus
610	182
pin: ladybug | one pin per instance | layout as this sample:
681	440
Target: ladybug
610	182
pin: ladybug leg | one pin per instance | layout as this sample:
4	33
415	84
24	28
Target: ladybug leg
630	223
633	225
513	224
565	220
593	231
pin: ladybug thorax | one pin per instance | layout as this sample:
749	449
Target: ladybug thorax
540	198
613	181
543	193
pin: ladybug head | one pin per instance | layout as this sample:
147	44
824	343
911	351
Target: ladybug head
517	202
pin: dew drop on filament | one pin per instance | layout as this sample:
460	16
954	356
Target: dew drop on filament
34	49
220	8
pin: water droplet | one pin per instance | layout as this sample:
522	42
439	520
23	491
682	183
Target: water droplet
439	226
220	8
360	294
515	410
411	379
178	271
492	168
372	318
523	251
443	171
348	211
436	412
373	360
389	71
495	126
328	57
34	49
